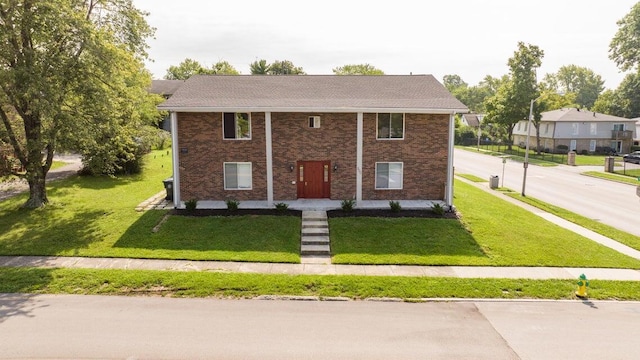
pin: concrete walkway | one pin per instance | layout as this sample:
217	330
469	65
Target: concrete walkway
320	269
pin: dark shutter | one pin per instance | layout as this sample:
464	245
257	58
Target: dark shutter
229	125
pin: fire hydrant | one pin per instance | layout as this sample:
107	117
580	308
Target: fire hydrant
582	286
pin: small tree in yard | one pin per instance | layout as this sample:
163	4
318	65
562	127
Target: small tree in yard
71	77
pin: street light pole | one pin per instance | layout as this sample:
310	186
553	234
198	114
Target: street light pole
526	154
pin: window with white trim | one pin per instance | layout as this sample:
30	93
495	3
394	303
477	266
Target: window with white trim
237	176
575	129
618	127
593	129
390	126
389	175
592	145
236	126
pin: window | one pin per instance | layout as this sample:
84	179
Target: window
389	175
618	127
314	122
390	126
546	128
575	128
237	126
592	145
237	176
593	129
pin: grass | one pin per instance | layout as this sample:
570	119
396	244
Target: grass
57	164
600	228
237	285
95	216
492	232
613	177
472	178
542	159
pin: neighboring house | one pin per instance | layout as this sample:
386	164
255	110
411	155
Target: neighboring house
166	88
583	131
636	138
473	120
278	138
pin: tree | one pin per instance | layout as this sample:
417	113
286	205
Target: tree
67	70
189	67
623	101
624	48
357	69
284	67
511	102
453	82
582	81
259	67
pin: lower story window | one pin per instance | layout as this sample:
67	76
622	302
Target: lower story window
389	175
237	176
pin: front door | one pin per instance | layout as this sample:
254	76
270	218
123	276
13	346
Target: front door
314	179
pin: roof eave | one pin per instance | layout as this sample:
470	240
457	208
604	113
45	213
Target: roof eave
314	109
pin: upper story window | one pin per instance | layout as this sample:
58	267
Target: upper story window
593	129
390	126
618	127
546	128
236	126
575	128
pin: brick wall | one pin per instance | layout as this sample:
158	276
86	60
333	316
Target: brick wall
293	140
201	167
423	152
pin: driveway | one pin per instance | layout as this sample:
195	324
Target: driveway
609	202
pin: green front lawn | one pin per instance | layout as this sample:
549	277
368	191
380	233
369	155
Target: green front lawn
237	285
89	216
492	232
542	159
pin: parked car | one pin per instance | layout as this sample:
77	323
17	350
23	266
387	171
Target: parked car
633	157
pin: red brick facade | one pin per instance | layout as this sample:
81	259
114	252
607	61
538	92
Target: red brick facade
202	153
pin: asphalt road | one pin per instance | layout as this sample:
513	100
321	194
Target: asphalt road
111	327
609	202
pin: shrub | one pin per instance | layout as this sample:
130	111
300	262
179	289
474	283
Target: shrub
584	152
232	205
437	209
282	207
191	205
395	206
347	205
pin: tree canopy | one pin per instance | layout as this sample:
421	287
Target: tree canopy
189	67
624	48
357	69
70	70
284	67
583	82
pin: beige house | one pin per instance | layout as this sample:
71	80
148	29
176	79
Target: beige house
583	131
279	138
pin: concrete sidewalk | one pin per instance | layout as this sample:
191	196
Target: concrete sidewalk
321	269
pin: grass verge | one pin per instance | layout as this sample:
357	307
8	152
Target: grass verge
492	232
202	284
613	177
600	228
472	178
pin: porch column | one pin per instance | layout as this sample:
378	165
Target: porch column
359	157
449	185
269	151
175	154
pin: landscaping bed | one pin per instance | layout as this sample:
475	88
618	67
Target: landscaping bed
239	212
390	214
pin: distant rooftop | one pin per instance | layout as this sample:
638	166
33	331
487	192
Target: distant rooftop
573	114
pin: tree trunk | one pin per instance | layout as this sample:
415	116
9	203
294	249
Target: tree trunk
37	190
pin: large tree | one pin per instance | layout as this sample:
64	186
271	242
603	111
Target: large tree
472	96
511	102
623	101
284	67
68	68
582	81
624	48
357	69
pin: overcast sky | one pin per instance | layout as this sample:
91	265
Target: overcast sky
471	38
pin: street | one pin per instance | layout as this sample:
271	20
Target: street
609	202
110	327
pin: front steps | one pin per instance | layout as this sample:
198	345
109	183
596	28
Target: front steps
314	246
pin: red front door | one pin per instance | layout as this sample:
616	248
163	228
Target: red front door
314	179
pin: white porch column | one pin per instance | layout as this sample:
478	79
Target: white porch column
449	185
359	157
269	151
175	153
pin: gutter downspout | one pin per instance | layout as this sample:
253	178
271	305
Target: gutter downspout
449	185
176	160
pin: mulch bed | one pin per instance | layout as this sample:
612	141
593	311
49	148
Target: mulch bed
331	213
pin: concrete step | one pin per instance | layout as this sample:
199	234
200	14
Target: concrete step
315	240
314	215
314	224
315	232
315	250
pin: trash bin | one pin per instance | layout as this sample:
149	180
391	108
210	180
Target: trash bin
571	158
494	181
609	163
168	185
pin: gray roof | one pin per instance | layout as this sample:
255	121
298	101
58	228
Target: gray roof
575	115
472	119
409	93
165	87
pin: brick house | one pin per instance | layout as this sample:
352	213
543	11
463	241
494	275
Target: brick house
282	138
